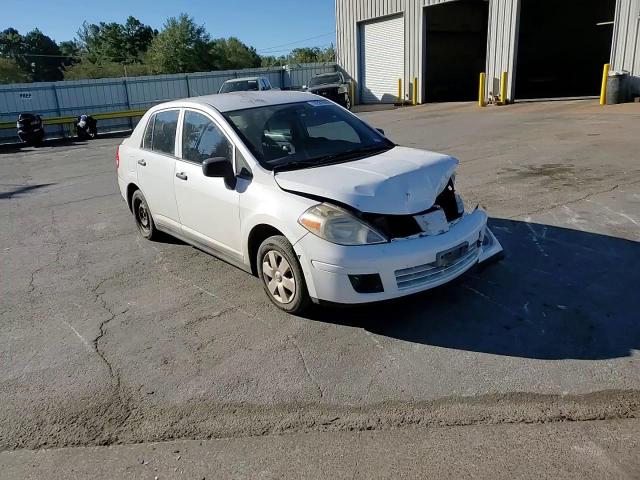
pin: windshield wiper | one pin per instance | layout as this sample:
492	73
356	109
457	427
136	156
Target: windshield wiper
349	154
293	165
331	159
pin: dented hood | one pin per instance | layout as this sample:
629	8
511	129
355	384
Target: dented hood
401	181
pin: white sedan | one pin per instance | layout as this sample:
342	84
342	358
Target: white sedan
300	192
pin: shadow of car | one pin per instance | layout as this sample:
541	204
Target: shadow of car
560	294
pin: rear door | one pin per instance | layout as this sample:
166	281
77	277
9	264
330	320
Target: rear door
156	166
209	209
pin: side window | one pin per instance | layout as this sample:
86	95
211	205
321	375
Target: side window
202	139
164	132
148	133
242	166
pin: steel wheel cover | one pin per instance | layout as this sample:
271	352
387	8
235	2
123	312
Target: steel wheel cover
278	277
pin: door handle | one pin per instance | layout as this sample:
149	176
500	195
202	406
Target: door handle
142	162
181	176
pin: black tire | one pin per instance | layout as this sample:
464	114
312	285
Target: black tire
296	301
142	214
347	102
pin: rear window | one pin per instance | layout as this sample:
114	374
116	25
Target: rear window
160	134
239	86
325	80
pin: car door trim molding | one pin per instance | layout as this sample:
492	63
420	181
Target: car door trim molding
204	246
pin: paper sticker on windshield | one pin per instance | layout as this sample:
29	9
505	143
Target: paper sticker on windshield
319	103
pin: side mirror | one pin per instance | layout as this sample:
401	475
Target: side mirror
380	130
220	167
217	167
304	87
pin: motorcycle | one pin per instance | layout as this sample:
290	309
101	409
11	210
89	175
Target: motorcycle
86	127
30	129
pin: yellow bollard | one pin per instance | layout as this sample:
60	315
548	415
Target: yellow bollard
481	89
603	90
503	89
415	90
400	102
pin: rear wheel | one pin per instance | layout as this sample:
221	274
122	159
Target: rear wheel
281	275
142	215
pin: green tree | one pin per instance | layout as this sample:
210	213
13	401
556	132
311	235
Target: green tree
312	55
328	54
231	53
181	47
137	39
44	56
70	51
11	43
115	42
10	72
304	55
272	61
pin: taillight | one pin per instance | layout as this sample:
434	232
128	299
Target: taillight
117	157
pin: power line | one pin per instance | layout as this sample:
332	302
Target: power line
288	50
43	55
297	41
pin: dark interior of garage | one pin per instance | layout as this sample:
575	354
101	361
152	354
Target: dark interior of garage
561	47
455	49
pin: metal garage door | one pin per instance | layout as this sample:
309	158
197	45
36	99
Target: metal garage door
381	60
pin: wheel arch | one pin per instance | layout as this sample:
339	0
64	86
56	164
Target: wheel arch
131	189
258	234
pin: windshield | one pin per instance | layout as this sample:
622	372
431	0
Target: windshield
325	80
239	86
305	134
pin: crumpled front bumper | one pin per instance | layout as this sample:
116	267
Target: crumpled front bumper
405	266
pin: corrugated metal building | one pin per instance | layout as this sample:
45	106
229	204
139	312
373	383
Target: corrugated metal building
549	48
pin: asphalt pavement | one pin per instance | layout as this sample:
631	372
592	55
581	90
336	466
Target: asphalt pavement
109	340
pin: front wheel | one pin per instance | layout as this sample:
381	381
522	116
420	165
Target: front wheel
281	275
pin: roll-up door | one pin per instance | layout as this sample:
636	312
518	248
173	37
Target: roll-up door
381	59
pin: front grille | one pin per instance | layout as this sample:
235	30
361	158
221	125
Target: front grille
403	226
431	272
330	93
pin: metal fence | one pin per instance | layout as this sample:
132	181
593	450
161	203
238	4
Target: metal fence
77	97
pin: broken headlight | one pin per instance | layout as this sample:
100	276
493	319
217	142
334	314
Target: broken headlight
337	225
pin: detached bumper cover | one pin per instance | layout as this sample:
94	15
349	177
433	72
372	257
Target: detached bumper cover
405	266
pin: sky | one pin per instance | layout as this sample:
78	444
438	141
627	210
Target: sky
269	26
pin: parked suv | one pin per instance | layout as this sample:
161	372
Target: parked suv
245	84
302	193
332	86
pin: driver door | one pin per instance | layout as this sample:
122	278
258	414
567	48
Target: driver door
209	210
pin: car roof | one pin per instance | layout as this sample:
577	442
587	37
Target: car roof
226	102
325	74
241	79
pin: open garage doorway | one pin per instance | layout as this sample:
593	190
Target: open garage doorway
562	46
455	49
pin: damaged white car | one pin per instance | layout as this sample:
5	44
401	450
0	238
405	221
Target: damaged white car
302	193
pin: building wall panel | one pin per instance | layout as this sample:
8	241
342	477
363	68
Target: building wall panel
502	38
625	52
501	45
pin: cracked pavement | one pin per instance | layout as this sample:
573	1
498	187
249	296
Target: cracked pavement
111	339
